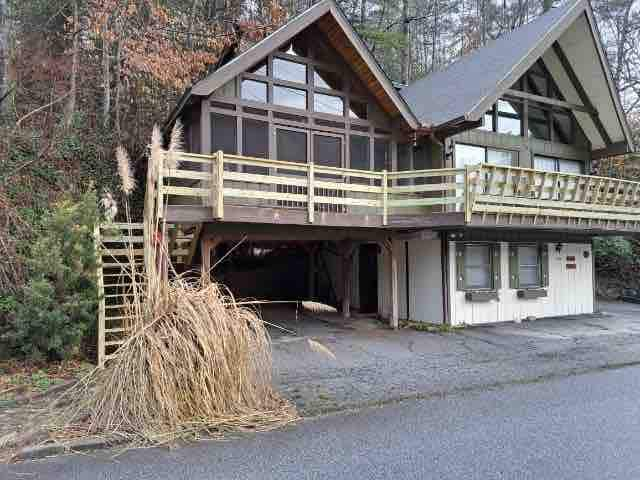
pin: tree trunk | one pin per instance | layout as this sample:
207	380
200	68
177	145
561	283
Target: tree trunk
118	75
106	80
4	56
404	60
75	60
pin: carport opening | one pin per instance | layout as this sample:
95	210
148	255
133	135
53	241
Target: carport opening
284	274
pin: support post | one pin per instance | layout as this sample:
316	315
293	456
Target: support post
310	191
207	247
311	279
220	179
385	195
347	270
394	286
101	301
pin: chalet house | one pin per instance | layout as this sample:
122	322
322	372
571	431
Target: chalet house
462	198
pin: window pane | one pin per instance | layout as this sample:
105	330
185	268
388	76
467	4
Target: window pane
476	277
291	145
327	150
477	255
223	133
359	147
570	166
358	110
255	91
544	163
404	161
255	142
290	97
328	104
563	124
539	123
529	276
528	255
288	70
509	118
381	155
325	79
477	266
501	157
488	122
469	155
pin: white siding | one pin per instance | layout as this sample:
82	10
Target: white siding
570	291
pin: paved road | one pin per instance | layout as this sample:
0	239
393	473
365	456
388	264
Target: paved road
578	427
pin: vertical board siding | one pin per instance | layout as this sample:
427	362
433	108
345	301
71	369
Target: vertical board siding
570	291
425	281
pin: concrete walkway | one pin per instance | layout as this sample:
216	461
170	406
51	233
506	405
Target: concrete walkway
376	366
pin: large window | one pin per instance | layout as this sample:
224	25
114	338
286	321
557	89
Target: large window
328	104
290	97
359	147
382	158
224	133
326	79
291	145
509	117
478	266
474	155
255	142
289	71
551	164
528	266
254	91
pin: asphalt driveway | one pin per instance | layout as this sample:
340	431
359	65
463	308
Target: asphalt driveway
374	365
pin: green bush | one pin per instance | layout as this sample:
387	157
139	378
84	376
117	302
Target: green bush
612	253
59	302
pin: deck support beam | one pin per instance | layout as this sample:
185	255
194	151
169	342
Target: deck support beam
394	285
347	250
207	247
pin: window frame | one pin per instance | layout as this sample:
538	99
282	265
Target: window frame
495	258
542	264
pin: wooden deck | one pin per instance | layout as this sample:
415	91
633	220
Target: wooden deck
237	189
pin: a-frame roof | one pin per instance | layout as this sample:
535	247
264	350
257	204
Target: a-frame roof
330	19
468	87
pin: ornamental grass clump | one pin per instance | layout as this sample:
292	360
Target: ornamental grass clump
195	360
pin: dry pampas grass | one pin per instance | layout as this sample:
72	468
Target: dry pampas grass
127	181
196	360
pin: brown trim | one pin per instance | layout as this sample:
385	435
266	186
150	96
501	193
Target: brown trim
581	92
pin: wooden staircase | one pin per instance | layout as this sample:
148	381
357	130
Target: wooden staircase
117	243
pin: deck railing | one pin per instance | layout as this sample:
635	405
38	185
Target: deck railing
222	179
540	195
488	192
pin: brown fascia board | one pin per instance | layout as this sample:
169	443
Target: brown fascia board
261	49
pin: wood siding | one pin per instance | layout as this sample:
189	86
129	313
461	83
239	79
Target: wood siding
570	290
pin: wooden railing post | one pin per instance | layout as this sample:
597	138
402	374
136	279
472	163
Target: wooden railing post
159	169
310	192
468	206
385	195
101	300
218	174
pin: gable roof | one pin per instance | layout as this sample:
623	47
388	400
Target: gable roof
345	38
467	88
